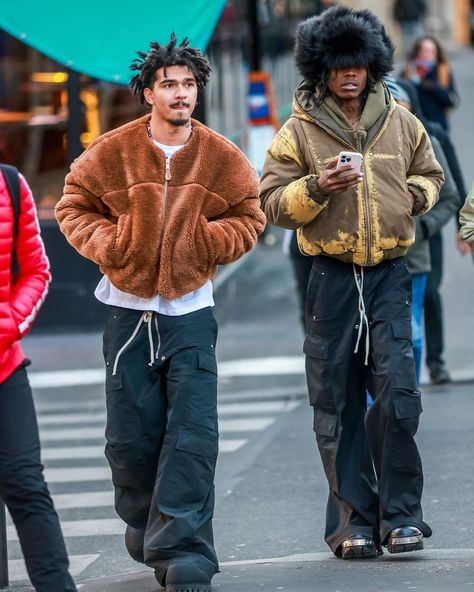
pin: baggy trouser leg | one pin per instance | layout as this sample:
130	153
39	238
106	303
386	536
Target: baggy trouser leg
180	520
337	393
136	416
24	491
392	421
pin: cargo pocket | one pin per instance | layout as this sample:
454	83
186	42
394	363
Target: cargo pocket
207	361
325	424
122	419
130	467
401	329
189	471
319	372
407	410
402	361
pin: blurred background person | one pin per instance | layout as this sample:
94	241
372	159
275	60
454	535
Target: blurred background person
433	305
466	219
409	15
428	225
430	72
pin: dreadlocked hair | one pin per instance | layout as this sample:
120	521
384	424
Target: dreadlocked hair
164	56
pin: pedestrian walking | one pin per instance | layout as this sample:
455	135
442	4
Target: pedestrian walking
428	225
432	75
158	203
409	15
466	218
357	226
433	302
25	278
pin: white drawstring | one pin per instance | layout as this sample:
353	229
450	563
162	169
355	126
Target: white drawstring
359	280
150	339
145	318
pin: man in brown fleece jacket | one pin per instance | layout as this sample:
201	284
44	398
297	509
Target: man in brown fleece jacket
158	203
357	228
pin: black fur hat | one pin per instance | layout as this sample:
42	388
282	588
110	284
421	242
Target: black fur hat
341	38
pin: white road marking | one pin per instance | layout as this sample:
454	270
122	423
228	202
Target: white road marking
224	409
84	499
231	445
271	366
83	528
77	564
72	452
85	452
248	407
76	475
96	433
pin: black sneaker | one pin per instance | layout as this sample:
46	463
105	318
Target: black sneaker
404	539
186	575
360	547
439	375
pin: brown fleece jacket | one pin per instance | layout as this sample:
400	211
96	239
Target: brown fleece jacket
153	236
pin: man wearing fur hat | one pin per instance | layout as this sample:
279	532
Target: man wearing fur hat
357	226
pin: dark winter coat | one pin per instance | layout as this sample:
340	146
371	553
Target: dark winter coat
406	11
418	255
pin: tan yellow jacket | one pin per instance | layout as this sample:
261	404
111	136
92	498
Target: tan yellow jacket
364	224
466	218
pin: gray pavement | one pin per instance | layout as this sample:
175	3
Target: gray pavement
271	492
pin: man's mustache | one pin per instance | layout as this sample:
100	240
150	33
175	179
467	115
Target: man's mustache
179	104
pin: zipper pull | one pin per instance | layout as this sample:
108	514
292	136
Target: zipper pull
168	169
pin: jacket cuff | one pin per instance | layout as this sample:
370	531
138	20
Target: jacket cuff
419	200
314	191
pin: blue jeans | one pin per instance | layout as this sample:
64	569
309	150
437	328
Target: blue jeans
418	286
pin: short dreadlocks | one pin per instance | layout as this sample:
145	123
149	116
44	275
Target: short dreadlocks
164	56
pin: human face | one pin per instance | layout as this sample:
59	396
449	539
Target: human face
173	96
347	83
427	51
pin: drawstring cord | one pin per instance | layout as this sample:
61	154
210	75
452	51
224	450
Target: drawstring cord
145	318
359	280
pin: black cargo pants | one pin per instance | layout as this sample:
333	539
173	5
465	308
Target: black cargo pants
162	435
353	441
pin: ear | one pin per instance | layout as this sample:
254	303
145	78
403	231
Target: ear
148	94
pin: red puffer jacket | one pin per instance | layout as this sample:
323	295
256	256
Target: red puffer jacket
22	295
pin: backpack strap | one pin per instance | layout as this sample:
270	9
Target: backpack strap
12	179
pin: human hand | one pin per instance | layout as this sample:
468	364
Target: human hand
332	180
463	247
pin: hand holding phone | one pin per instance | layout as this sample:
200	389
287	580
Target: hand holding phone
352	159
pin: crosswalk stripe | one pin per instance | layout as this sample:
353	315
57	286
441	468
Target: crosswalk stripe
85	499
77	564
77	474
85	452
249	408
70	418
95	433
72	452
82	528
231	445
271	366
224	409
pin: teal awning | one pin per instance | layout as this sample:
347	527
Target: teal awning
101	37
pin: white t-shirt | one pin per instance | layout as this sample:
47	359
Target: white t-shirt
107	293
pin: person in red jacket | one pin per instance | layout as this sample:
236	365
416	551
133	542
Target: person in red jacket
22	485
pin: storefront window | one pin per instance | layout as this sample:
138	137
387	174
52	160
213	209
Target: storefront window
34	117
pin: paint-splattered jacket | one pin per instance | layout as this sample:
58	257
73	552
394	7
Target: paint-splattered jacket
367	223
